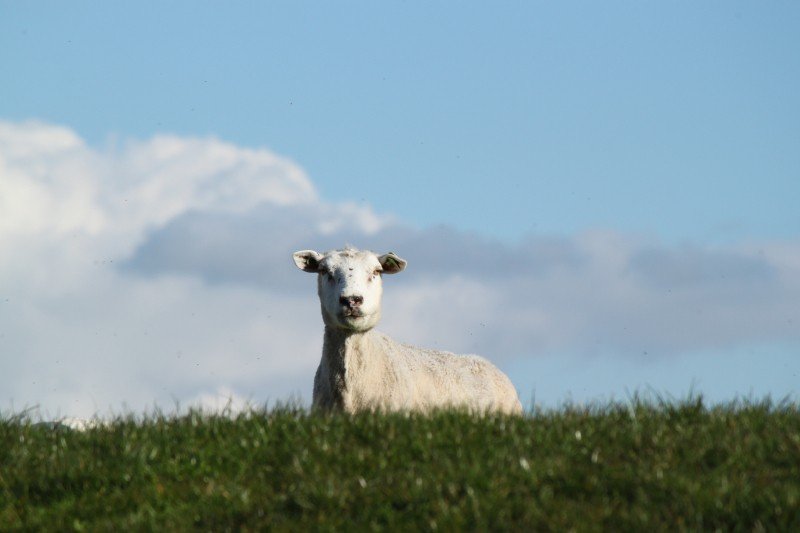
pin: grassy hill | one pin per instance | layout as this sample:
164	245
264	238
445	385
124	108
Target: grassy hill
617	467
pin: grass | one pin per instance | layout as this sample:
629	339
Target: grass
634	466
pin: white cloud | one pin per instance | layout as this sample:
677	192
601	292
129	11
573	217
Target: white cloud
53	183
158	272
79	335
48	182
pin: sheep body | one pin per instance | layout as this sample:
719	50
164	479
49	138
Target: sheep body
363	369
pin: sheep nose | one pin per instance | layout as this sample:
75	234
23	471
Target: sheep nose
351	301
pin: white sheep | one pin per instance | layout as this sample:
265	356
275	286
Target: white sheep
363	369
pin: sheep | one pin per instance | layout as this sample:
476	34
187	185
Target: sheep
363	369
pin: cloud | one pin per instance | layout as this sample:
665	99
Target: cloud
691	266
598	292
159	272
79	334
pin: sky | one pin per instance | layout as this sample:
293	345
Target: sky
602	199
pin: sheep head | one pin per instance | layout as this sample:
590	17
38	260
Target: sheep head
349	284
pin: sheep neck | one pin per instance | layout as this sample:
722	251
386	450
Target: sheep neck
344	350
345	347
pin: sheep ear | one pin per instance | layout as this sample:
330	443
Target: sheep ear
307	260
391	263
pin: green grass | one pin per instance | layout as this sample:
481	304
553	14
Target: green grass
636	466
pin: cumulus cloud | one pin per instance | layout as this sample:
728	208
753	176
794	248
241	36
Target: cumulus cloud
79	334
159	272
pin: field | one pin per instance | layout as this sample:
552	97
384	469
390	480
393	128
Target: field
621	466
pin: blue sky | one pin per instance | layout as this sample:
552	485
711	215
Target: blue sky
679	120
668	131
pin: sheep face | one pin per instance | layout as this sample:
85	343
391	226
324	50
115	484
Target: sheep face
349	284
